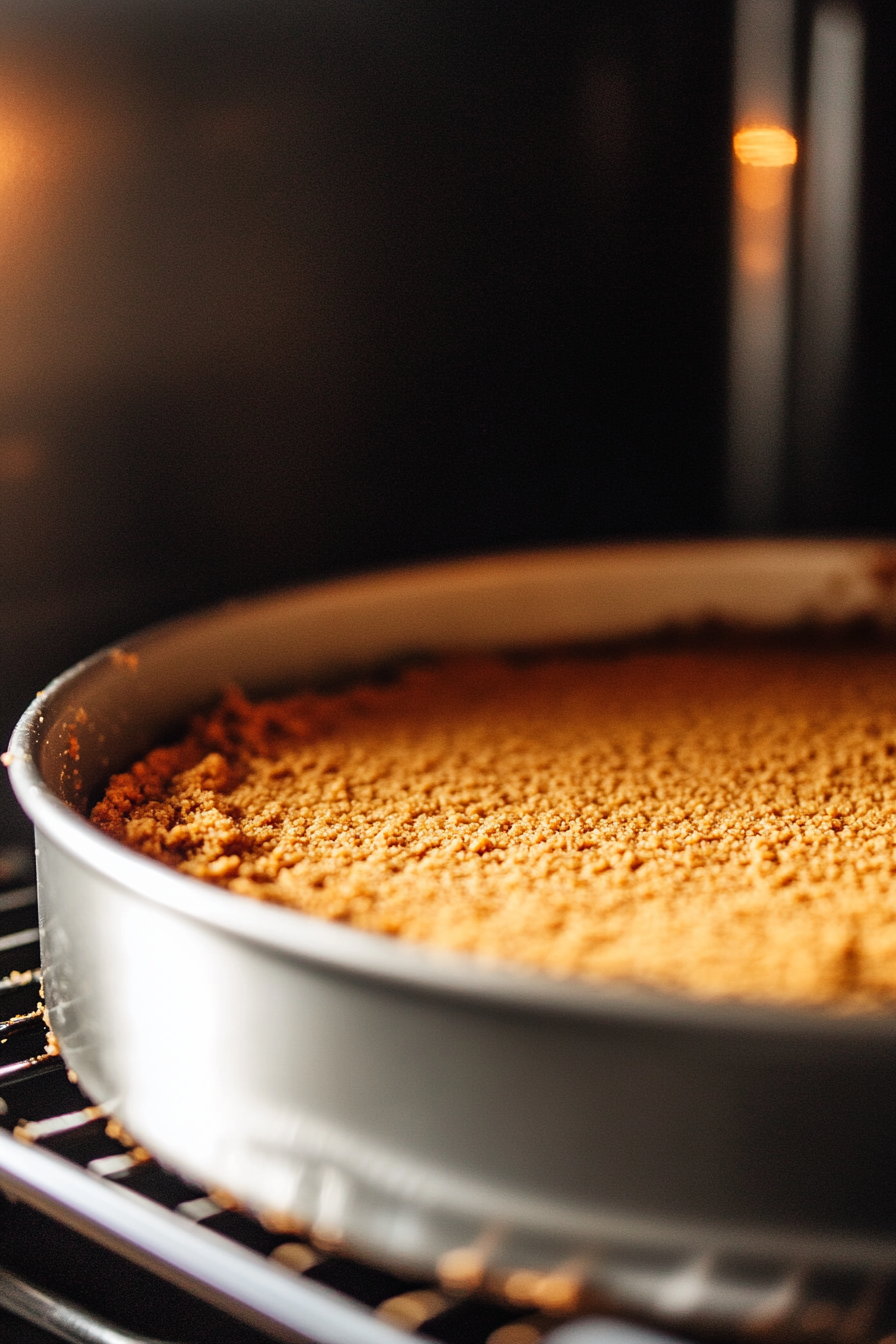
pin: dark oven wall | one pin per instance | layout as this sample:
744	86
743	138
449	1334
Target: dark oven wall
291	289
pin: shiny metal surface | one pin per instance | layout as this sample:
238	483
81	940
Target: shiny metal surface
259	1292
686	1158
60	1318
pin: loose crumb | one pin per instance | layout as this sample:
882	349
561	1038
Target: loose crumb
719	821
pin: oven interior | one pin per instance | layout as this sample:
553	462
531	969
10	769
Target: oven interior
290	290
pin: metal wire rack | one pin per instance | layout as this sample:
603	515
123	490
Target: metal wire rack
208	1269
94	1230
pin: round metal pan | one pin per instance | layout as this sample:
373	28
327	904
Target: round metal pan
693	1159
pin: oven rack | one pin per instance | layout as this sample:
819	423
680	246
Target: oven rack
64	1158
61	1156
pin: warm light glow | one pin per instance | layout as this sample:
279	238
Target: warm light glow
760	259
760	188
765	147
12	155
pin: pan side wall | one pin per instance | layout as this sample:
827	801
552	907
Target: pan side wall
408	1121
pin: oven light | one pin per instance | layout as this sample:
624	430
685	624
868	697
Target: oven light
762	152
765	147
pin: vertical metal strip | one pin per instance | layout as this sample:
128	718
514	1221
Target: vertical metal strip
828	259
760	271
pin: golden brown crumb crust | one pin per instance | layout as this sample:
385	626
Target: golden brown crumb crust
719	821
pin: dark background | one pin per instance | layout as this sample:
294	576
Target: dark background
292	289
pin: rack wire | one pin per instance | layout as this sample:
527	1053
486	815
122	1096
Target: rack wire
100	1244
63	1159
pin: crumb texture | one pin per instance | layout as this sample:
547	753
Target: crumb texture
715	821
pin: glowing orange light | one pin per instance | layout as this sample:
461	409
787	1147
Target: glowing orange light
765	147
